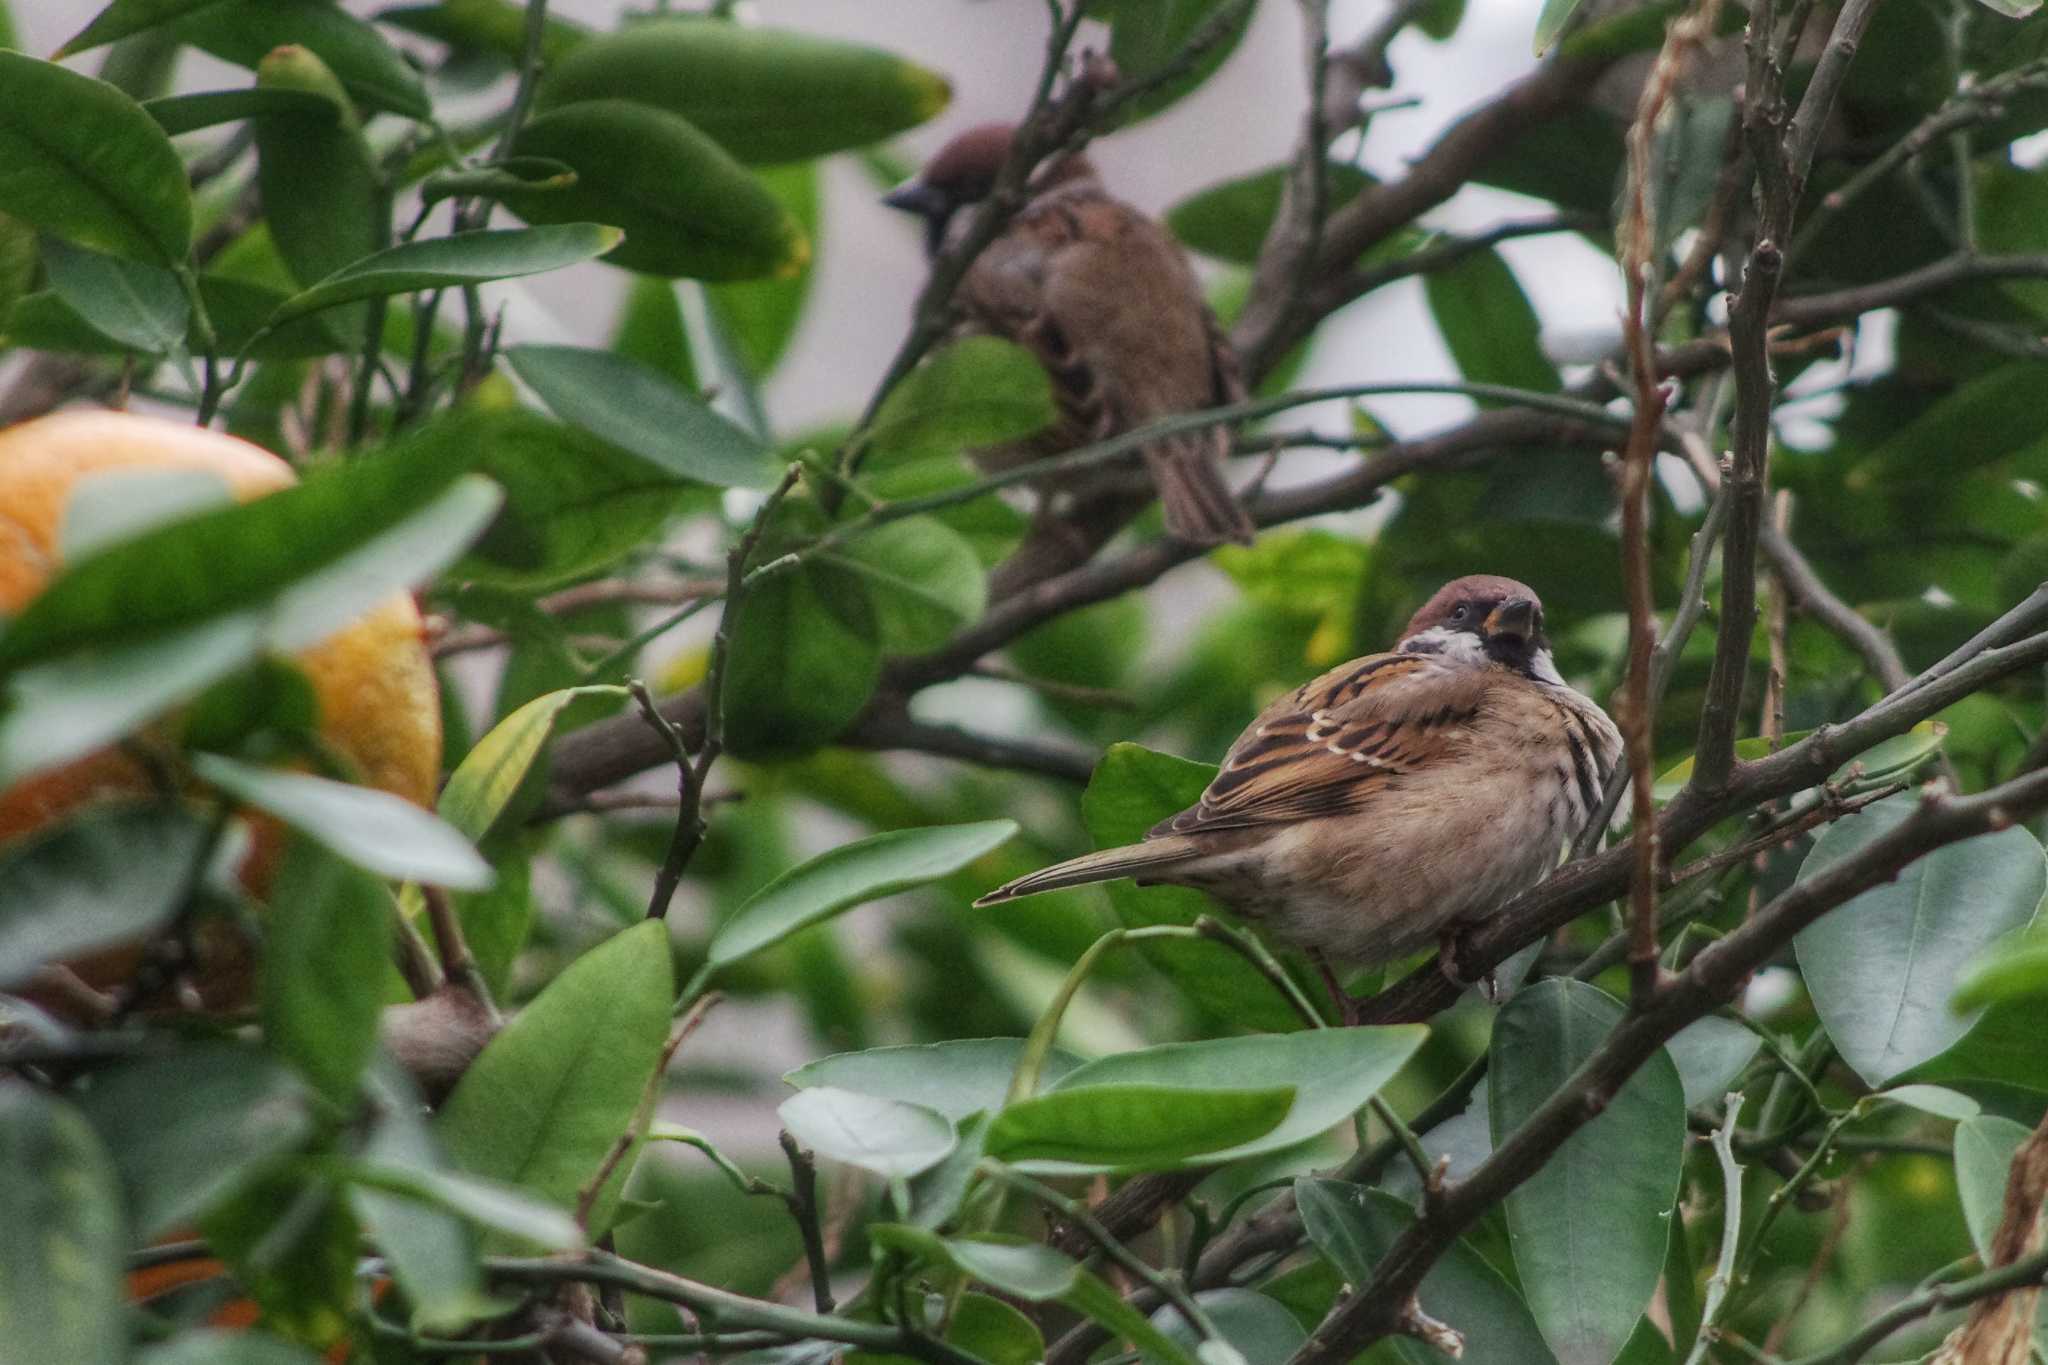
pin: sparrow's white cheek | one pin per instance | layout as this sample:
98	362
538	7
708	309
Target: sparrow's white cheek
1452	646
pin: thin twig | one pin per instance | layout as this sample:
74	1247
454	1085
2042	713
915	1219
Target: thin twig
1731	1231
456	959
803	1207
678	1034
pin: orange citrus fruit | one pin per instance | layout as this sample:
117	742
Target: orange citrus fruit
379	707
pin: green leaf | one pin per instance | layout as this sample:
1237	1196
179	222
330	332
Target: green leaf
975	392
1258	1328
80	160
324	197
763	94
1145	35
432	1252
224	1346
687	208
60	1263
373	829
1589	1228
246	31
888	1137
452	262
992	1331
1230	220
340	519
925	580
959	1077
326	941
1133	789
481	789
574	503
110	507
640	410
760	316
191	1128
651	330
2010	971
141	306
124	17
112	875
1993	408
177	114
548	1097
290	1244
491	181
1134	1126
1488	323
852	874
1550	22
1881	968
497	27
498	1208
1984	1151
805	657
1881	763
1354	1227
1333	1073
1710	1053
1937	1100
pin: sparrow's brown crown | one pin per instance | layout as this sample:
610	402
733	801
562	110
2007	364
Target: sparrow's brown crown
1498	610
964	170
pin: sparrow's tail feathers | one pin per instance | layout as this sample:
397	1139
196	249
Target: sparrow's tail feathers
1200	508
1132	860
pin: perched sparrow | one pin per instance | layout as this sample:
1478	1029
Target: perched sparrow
1395	799
1105	299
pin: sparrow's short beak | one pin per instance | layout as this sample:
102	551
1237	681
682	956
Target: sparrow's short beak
918	198
1515	618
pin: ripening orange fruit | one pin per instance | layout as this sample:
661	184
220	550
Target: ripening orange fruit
379	706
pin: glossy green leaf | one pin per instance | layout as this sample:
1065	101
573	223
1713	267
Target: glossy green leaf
974	392
246	31
534	173
642	411
139	305
1133	789
1710	1054
574	503
924	578
1937	1100
481	789
1588	1229
113	875
177	114
432	1252
1488	323
1550	22
852	874
1354	1226
1333	1072
82	161
2011	971
1258	1328
452	262
373	829
494	26
992	1331
1126	1126
760	317
326	941
61	1261
763	94
805	657
550	1094
888	1137
499	1208
1230	220
340	518
124	17
958	1077
1881	968
1984	1151
687	208
324	198
191	1128
44	321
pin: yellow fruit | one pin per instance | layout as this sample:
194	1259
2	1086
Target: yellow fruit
373	679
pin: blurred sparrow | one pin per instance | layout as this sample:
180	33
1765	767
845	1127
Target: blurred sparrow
1104	298
1394	800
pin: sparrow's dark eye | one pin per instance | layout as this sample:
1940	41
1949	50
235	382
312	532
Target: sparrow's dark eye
1462	611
